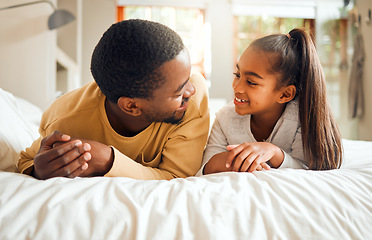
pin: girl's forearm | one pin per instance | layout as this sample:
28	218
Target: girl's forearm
217	164
278	157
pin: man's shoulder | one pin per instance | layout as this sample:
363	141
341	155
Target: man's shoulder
199	101
78	100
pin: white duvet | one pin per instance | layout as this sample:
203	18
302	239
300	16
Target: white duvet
274	204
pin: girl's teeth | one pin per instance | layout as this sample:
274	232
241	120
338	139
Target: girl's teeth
240	100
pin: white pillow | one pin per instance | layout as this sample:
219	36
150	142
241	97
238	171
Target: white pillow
19	123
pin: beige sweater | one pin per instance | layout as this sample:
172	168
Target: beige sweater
161	151
232	128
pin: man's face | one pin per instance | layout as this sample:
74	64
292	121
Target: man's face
169	102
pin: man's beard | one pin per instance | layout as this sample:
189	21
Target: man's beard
173	120
165	118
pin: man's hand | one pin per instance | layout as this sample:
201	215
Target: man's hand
68	159
102	159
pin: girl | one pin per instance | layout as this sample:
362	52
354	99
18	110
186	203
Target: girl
279	116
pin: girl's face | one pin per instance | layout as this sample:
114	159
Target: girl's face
255	88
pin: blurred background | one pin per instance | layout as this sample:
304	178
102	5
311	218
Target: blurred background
40	64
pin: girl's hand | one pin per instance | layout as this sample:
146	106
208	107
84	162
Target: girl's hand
251	156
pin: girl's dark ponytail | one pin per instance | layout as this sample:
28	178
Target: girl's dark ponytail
320	135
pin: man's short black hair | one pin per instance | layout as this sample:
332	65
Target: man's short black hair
126	60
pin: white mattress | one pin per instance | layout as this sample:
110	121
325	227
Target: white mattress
274	204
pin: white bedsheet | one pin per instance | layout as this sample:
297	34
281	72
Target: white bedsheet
274	204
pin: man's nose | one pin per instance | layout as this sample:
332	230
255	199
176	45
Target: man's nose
190	90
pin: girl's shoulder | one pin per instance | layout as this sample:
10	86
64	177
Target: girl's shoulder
291	110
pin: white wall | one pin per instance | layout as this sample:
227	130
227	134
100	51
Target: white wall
219	16
26	47
98	16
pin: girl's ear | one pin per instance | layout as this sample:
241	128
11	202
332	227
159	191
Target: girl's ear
288	94
129	106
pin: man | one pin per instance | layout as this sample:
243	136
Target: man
143	117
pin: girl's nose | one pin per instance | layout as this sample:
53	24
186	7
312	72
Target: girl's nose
237	86
190	90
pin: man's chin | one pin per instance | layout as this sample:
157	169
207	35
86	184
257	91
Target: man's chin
174	120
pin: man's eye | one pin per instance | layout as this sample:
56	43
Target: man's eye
237	75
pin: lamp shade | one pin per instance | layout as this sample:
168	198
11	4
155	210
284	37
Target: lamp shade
56	20
59	18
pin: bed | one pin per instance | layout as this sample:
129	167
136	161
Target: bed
274	204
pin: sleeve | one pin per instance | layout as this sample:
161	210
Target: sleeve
295	159
26	160
124	166
183	151
217	143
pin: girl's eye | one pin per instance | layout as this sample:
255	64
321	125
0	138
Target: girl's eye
237	75
251	83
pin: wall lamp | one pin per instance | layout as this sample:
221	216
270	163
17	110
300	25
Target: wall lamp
57	19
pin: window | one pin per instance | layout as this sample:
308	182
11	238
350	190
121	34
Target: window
187	22
249	28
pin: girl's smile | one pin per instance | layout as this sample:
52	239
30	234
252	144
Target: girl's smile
240	100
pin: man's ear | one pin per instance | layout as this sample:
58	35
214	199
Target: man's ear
289	92
129	106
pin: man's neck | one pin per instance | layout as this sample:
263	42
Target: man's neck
123	123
